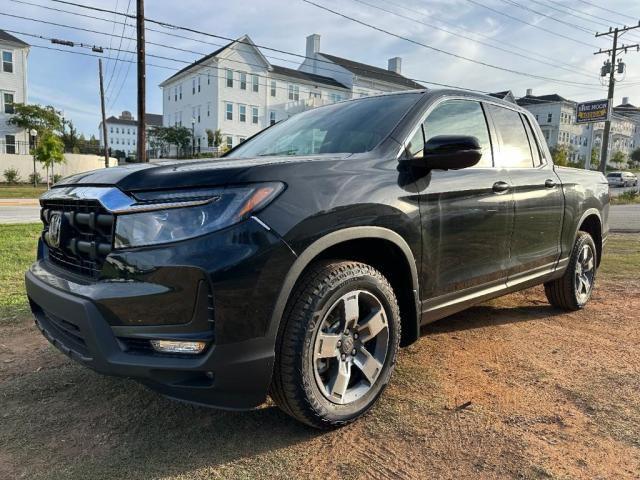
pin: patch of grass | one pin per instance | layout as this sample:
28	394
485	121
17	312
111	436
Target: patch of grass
621	257
626	198
17	251
22	191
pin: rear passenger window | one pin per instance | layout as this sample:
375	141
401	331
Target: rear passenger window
533	143
513	145
460	117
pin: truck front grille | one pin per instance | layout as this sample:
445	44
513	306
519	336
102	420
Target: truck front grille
86	235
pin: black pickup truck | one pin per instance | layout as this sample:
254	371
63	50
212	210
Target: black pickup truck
299	263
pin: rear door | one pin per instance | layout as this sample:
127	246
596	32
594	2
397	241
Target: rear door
538	197
466	215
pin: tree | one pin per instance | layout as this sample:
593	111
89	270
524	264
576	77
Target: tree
70	140
559	155
635	158
178	136
50	150
217	138
42	119
618	159
595	158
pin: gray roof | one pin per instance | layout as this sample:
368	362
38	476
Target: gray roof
7	37
369	71
150	120
311	77
539	99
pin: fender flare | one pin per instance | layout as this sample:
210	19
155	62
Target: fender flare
588	212
329	240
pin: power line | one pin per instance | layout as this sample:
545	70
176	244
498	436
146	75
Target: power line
430	47
115	65
485	37
607	10
527	23
407	17
113	31
550	17
192	30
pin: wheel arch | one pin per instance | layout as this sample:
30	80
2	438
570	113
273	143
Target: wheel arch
356	243
591	222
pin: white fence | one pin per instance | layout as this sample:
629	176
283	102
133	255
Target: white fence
74	163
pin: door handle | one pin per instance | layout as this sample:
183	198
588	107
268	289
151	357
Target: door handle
500	187
549	183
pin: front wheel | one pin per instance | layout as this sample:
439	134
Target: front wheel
573	290
338	344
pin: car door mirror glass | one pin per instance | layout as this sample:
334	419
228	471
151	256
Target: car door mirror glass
451	152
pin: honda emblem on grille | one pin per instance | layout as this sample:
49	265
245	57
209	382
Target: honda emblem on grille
55	222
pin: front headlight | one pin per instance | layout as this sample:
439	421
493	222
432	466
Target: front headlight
163	217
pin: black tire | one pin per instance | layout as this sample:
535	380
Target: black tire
297	386
564	292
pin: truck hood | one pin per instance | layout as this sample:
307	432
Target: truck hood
172	174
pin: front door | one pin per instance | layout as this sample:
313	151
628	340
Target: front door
466	215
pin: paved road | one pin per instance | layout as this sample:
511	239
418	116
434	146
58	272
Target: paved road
19	214
624	218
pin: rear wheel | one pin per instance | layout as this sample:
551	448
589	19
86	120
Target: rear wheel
573	290
337	347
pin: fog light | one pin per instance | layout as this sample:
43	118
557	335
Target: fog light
174	346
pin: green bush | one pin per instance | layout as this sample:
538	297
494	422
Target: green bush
38	178
57	177
630	196
11	175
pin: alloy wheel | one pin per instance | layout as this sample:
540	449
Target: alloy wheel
584	273
350	347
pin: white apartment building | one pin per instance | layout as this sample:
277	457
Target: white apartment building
237	90
556	116
122	132
14	54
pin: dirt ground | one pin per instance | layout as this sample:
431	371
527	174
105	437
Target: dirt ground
509	389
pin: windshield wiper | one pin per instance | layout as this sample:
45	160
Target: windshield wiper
274	154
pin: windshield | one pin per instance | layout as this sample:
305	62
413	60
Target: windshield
614	175
347	127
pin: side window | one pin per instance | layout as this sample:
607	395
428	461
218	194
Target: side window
459	117
533	142
415	147
513	144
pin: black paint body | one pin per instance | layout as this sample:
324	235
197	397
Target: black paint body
458	242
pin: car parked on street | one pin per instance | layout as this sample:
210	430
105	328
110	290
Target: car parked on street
622	179
298	264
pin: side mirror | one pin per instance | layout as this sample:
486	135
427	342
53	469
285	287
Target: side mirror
451	152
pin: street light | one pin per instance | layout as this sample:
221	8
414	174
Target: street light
34	134
193	137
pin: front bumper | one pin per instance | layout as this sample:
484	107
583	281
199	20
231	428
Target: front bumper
233	372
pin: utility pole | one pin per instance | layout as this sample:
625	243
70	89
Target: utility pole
141	151
617	32
104	120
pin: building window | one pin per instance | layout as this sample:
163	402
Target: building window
175	94
208	77
254	83
315	94
180	91
241	139
7	62
549	117
193	86
254	115
243	81
10	144
273	88
111	130
272	118
229	78
198	83
209	109
229	141
229	110
117	130
294	92
8	103
242	113
198	113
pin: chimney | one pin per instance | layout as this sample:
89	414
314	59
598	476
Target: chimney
625	100
313	47
529	92
395	65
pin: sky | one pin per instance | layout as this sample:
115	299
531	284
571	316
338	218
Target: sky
69	81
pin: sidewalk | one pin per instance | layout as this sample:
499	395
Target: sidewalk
18	202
